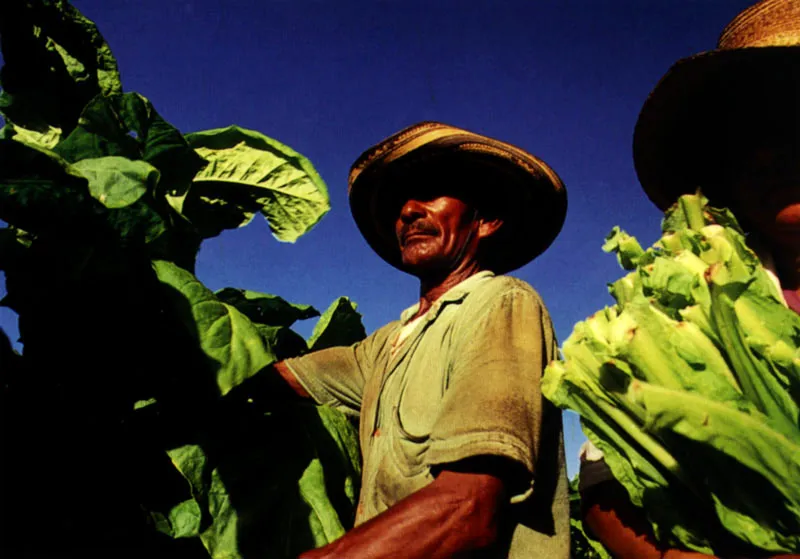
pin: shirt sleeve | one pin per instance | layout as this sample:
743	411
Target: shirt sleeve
336	376
493	403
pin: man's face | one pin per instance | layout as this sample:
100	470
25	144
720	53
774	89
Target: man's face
436	232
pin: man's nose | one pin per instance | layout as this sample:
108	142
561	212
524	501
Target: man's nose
412	210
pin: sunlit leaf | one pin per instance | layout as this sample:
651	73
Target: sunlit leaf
249	173
127	125
339	325
117	182
233	345
46	138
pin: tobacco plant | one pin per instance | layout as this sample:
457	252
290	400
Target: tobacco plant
120	435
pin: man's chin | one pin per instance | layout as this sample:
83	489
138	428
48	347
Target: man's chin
421	265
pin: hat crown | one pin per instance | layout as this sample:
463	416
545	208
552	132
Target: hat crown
770	23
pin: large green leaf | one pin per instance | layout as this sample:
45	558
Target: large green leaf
270	485
233	345
339	325
117	182
41	193
55	62
266	309
249	173
127	125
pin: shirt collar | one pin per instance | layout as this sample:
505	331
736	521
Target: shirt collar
455	294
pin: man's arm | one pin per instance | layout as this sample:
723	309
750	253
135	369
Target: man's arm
457	513
622	529
283	371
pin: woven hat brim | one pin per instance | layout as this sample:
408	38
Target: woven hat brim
676	139
536	198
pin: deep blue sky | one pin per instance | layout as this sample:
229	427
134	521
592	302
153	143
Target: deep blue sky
563	79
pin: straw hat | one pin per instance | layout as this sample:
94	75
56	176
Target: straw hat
691	118
520	188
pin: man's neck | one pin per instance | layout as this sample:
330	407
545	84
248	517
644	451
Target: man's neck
432	288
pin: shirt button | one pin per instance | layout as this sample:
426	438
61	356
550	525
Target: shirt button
376	433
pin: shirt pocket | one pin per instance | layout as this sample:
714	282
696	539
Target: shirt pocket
418	405
413	419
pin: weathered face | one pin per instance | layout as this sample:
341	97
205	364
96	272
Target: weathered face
436	233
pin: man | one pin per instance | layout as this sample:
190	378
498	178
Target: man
727	121
462	455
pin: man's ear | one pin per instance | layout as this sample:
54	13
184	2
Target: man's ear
489	227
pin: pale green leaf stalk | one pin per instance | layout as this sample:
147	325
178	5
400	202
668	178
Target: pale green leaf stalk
627	248
765	323
565	383
703	355
643	347
690	386
731	437
676	241
757	381
626	288
638	460
700	317
687	213
594	330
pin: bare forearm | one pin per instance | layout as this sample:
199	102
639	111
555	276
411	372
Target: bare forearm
440	521
618	524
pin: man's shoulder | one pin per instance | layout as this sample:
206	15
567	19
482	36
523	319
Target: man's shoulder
501	286
382	336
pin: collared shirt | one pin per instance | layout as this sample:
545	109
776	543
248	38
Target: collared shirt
464	382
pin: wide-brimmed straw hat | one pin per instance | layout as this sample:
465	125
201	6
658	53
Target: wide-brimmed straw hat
686	124
520	188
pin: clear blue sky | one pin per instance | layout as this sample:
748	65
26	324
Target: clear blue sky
563	79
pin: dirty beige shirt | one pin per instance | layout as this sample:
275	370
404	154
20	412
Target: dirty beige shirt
464	382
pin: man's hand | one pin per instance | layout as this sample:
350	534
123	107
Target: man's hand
458	512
